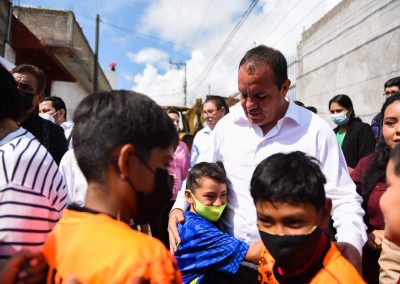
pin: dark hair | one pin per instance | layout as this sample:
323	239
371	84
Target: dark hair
57	103
311	108
293	178
395	156
172	110
299	103
214	171
218	101
106	120
376	172
393	82
35	72
10	98
344	101
266	55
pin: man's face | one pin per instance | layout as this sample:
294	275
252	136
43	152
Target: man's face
47	107
389	91
263	103
212	114
28	83
286	219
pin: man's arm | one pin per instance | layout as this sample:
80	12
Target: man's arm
347	213
175	217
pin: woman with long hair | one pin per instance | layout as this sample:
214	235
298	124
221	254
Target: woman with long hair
354	136
369	176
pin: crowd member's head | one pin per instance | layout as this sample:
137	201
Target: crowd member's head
391	137
390	199
341	109
174	116
53	108
123	144
214	108
10	99
263	85
292	210
207	192
391	86
31	82
313	109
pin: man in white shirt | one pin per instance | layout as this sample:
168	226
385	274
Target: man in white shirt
269	123
214	108
53	108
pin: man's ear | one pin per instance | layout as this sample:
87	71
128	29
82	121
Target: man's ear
285	86
326	214
62	113
189	197
125	154
223	110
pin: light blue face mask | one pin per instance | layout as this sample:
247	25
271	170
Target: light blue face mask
340	118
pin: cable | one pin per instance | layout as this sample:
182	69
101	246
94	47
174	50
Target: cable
302	19
202	20
211	64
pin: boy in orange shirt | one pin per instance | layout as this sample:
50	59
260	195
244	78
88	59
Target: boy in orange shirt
123	142
292	212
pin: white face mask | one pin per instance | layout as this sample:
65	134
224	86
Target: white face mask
47	117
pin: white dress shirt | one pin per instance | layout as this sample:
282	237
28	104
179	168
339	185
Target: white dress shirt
67	126
200	144
74	178
241	146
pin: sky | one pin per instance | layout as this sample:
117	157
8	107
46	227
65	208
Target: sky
144	36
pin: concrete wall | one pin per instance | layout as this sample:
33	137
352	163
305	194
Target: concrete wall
353	50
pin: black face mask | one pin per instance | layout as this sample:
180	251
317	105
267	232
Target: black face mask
291	252
26	100
149	206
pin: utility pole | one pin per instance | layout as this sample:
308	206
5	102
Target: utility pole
180	65
96	55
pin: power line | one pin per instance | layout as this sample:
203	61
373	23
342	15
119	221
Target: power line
211	64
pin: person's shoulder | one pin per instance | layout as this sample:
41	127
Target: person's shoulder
367	160
337	267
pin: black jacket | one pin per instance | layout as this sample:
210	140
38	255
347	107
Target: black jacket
358	142
50	135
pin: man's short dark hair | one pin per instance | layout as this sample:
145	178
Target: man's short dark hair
393	82
293	178
10	98
35	72
272	57
106	120
214	171
57	103
218	101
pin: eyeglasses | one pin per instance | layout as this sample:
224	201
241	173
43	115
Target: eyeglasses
390	93
208	112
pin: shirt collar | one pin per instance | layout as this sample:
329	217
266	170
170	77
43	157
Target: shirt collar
292	113
12	135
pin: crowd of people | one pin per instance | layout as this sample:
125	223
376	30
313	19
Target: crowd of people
268	193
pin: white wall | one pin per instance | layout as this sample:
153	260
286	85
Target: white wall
71	93
352	50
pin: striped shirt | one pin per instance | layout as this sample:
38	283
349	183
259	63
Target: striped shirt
32	193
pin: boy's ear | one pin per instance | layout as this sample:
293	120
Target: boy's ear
189	197
124	154
326	214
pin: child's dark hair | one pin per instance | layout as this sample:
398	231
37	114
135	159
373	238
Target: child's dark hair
292	178
214	171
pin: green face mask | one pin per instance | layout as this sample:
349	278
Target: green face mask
211	213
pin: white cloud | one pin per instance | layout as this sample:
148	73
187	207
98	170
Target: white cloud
150	55
271	23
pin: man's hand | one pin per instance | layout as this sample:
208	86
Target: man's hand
375	239
351	254
25	267
175	217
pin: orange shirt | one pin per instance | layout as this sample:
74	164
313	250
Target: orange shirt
335	269
99	249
